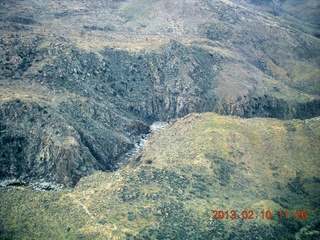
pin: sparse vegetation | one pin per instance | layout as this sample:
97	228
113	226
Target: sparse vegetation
80	81
189	176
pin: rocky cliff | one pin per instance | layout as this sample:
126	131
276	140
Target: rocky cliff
265	170
81	80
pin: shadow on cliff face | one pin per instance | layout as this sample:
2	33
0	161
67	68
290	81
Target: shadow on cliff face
106	103
172	82
96	101
41	144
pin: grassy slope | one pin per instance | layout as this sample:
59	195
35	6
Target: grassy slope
199	163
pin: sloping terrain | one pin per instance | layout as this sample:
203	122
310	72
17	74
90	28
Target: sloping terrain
200	163
57	138
307	11
81	80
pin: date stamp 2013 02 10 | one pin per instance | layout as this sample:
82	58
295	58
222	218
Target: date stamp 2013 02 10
264	214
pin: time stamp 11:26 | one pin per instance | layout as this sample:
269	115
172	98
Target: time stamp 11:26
264	214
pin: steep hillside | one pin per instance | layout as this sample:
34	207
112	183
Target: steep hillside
201	163
105	70
307	10
58	137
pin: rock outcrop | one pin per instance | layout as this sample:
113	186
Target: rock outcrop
265	170
100	72
59	146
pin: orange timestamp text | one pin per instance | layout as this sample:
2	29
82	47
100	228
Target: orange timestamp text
264	214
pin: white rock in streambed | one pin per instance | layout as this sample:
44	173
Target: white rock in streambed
158	126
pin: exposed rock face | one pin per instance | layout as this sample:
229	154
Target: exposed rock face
100	72
61	146
196	165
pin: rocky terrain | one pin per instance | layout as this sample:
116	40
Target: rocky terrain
200	163
82	81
